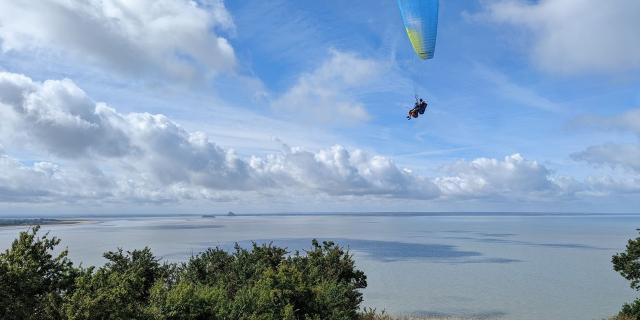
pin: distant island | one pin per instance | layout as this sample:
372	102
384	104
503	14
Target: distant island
4	222
229	214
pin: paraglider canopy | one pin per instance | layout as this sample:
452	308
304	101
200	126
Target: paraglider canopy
421	23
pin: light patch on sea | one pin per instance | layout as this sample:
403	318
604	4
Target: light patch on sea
475	266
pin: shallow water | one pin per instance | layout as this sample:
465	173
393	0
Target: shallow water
475	266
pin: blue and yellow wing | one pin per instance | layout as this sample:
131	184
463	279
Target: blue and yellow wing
420	19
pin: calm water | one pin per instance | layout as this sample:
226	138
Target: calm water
481	267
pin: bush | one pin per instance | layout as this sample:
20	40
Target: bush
630	310
33	282
627	263
118	290
262	283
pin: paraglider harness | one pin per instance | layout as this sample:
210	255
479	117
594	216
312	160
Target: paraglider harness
419	108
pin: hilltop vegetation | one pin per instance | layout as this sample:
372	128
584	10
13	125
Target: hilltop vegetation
265	282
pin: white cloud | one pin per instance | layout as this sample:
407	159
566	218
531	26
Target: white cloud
20	183
571	36
327	95
607	185
46	181
338	171
622	161
611	154
511	178
57	116
95	153
145	155
166	37
62	118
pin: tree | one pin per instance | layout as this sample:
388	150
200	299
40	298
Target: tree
267	282
627	263
33	282
263	282
118	290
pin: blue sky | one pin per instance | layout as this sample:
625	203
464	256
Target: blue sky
264	106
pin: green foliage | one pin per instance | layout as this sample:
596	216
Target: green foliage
262	283
118	290
630	310
186	300
33	281
627	263
267	283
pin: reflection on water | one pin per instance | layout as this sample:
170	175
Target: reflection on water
177	227
385	251
497	234
528	243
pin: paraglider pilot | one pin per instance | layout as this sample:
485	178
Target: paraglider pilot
418	108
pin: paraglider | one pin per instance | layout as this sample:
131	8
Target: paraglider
419	108
420	19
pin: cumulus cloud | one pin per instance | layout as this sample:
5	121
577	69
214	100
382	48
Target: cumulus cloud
170	37
512	177
59	117
326	94
606	185
45	181
147	155
337	171
21	183
575	36
95	153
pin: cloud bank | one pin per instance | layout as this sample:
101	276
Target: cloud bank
513	177
141	151
94	152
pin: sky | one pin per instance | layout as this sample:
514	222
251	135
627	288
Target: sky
176	106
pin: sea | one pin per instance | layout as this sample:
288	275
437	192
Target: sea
525	266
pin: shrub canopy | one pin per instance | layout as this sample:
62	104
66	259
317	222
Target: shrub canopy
264	282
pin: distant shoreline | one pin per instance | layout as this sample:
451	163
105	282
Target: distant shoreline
15	222
435	214
72	219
